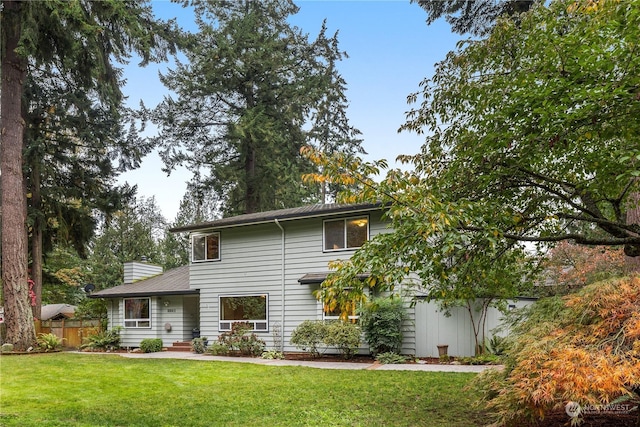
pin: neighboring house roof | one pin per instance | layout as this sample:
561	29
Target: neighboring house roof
280	215
172	282
57	311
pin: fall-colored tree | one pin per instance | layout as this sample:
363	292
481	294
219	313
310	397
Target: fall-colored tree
569	267
583	348
508	157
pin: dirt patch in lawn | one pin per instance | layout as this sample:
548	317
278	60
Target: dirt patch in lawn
560	418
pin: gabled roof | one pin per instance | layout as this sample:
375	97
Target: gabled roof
172	282
57	311
309	211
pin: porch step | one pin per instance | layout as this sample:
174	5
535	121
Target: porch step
180	346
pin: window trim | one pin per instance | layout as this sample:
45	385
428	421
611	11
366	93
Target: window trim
354	317
254	322
205	259
344	228
137	320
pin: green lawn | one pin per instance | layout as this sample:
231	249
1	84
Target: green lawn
65	389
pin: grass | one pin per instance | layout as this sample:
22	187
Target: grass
66	389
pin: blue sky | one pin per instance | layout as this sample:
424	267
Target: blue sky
390	48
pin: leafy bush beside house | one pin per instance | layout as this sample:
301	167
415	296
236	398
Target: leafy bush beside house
106	340
238	340
381	320
310	335
199	345
151	345
345	336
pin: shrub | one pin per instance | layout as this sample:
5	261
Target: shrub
48	342
481	359
308	336
238	339
151	345
496	346
218	349
199	345
106	340
345	336
381	320
583	348
390	358
272	354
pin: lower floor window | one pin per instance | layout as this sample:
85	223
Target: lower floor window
252	309
137	313
334	313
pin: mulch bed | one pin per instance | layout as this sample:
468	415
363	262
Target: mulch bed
359	358
560	418
329	358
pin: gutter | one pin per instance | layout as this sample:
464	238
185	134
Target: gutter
232	222
281	282
145	294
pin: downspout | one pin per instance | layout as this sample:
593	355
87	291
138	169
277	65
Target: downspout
281	284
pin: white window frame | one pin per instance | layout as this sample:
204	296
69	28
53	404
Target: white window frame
326	317
344	229
259	325
205	235
137	321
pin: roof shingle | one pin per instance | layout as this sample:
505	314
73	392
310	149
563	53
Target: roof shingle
281	214
172	282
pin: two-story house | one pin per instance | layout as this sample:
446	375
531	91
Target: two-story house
262	268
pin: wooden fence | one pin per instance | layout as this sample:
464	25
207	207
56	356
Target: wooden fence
72	332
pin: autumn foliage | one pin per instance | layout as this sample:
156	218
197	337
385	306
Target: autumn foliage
569	266
583	348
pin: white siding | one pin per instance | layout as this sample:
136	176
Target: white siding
251	262
166	311
135	270
433	328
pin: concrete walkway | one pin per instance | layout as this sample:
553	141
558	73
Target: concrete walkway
425	367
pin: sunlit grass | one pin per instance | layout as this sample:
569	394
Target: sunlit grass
108	390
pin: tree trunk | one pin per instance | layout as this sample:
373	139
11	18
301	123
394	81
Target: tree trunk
633	217
17	304
251	194
36	238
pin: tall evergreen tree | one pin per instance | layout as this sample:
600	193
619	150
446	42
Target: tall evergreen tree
134	232
74	146
242	101
331	131
77	42
475	17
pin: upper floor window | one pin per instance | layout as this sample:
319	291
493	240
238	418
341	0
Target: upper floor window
205	247
349	233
